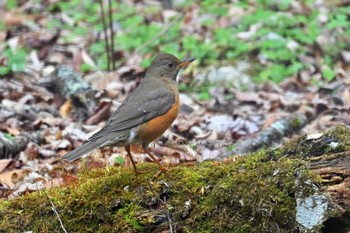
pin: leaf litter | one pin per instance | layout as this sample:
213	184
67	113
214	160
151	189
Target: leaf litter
209	127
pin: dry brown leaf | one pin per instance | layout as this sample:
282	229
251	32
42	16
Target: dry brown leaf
32	151
346	97
11	178
66	108
69	178
2	39
4	163
101	114
13	131
13	19
250	97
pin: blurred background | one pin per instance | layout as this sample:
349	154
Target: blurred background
273	39
260	66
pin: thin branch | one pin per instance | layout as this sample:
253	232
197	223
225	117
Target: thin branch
56	212
159	34
106	37
165	205
168	216
112	33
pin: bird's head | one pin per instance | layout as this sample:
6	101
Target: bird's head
167	65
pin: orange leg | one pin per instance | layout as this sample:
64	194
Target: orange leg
127	148
161	167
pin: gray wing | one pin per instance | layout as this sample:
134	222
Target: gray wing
137	109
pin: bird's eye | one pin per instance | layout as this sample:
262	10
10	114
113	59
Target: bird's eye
170	65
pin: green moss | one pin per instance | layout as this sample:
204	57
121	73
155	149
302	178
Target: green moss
252	197
297	123
249	194
246	194
335	140
340	134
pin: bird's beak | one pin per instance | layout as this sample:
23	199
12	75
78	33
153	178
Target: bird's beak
185	62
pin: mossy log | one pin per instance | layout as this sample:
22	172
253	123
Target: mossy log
334	169
273	190
328	156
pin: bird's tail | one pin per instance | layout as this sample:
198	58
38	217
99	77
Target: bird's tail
80	151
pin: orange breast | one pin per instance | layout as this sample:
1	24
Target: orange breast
154	128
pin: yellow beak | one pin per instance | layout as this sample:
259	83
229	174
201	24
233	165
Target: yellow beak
185	62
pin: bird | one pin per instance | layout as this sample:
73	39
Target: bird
144	115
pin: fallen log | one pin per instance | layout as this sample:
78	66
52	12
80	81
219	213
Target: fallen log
300	187
272	134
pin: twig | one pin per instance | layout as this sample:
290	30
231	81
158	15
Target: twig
112	33
159	34
168	216
106	37
165	205
152	191
55	211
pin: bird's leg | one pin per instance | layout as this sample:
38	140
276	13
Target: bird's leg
127	148
161	167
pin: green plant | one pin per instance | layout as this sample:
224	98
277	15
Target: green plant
204	51
15	61
203	91
11	4
119	160
85	68
328	73
97	50
2	25
214	7
267	47
9	136
280	5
